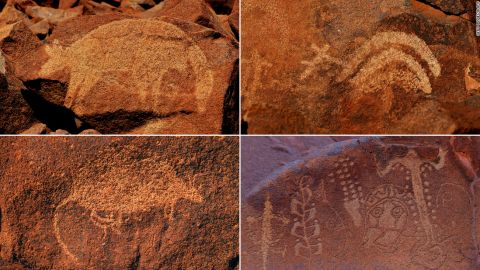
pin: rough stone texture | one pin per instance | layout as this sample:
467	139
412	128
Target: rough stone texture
168	68
36	129
15	113
119	203
366	203
380	66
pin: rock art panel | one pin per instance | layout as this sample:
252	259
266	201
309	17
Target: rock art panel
333	76
120	203
170	67
370	203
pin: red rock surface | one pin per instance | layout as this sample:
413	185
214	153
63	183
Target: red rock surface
119	203
365	203
379	66
130	66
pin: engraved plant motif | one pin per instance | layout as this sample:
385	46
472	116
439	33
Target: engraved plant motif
305	227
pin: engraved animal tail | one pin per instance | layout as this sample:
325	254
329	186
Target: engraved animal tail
387	48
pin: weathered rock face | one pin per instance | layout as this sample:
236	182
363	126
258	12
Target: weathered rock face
172	68
119	203
385	203
384	66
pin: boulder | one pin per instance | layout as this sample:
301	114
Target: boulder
119	202
182	90
16	114
366	203
318	72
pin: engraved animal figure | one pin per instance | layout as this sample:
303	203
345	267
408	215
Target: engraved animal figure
120	192
154	79
412	162
306	228
386	217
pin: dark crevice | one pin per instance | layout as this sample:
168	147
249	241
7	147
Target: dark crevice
425	2
203	21
51	90
467	131
233	263
111	2
231	105
244	127
220	7
135	264
235	32
145	6
122	121
51	114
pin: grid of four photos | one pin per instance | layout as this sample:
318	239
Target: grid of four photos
239	134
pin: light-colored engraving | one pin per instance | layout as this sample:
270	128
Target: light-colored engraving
352	190
423	201
391	40
321	58
253	70
152	79
306	228
266	231
471	84
363	70
121	192
386	217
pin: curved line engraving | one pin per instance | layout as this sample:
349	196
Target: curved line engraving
383	39
94	66
120	196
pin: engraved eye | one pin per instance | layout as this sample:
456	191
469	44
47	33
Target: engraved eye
377	212
397	211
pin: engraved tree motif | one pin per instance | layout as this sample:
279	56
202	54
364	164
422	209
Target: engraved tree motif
305	228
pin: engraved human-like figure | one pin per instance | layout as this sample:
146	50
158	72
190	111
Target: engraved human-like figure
386	217
429	252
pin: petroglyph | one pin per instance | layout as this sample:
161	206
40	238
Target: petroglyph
387	48
149	78
401	206
391	40
322	58
386	217
416	166
120	192
306	227
254	69
471	84
351	188
266	231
